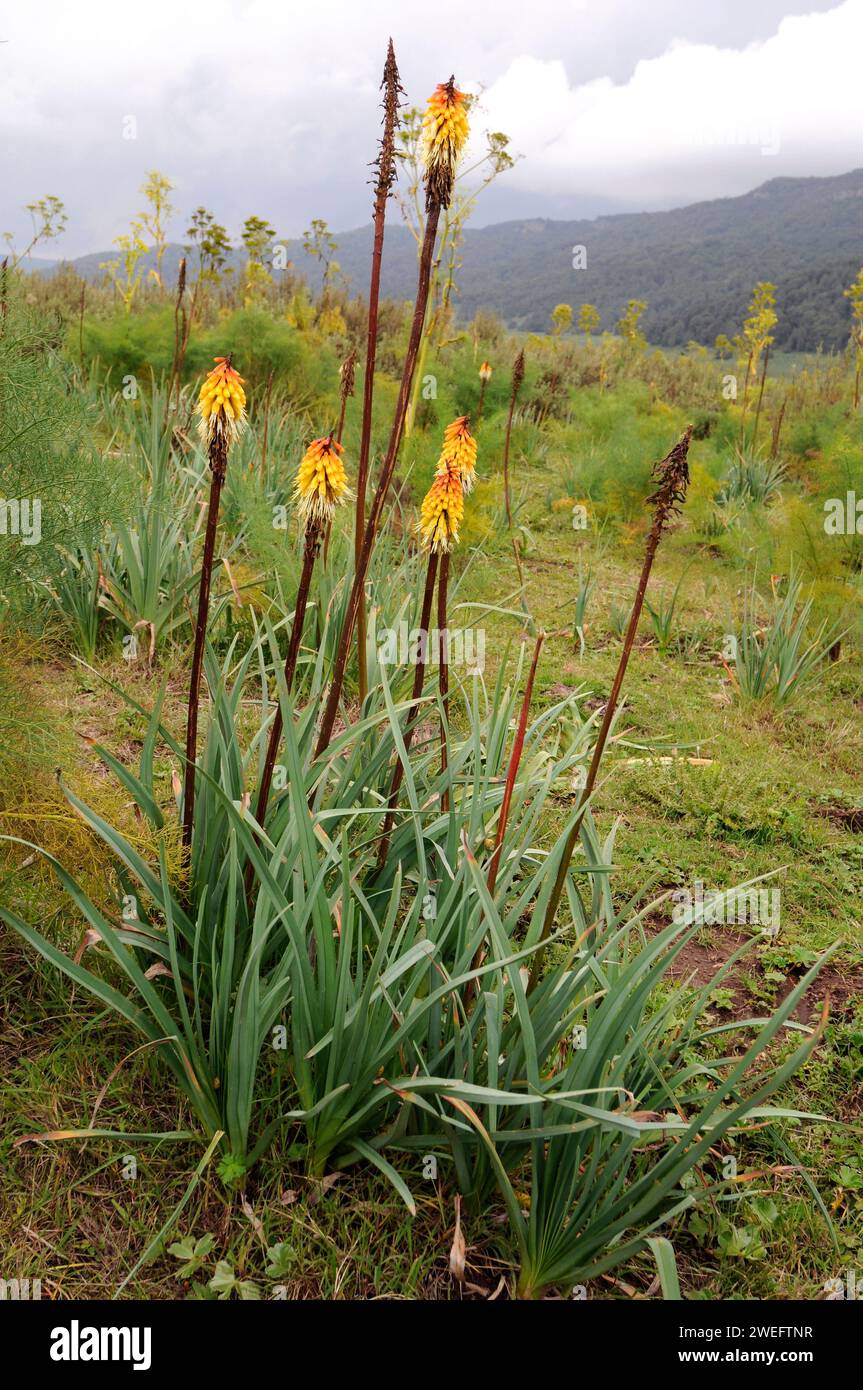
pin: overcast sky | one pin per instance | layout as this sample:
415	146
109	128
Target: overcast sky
270	106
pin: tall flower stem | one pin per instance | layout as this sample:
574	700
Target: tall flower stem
320	486
310	554
222	408
392	88
218	467
745	400
416	692
370	533
445	131
511	774
777	429
672	475
512	770
517	379
443	668
760	395
180	335
346	388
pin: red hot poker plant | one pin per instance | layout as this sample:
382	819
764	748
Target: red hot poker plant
445	128
222	415
321	485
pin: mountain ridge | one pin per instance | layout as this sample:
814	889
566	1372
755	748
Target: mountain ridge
695	266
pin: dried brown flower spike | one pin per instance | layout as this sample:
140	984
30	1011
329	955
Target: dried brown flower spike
672	475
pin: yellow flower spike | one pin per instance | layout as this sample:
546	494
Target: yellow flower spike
459	452
442	510
321	482
445	132
221	403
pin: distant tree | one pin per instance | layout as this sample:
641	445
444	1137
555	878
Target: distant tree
132	247
855	294
210	241
49	219
589	319
627	325
157	189
756	338
561	319
257	237
321	245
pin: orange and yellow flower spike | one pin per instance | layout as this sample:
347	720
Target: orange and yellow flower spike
445	132
321	482
442	510
459	451
485	371
222	403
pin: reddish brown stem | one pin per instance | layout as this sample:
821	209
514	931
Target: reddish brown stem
180	335
777	429
517	378
443	669
218	467
310	552
386	174
760	395
745	399
347	390
511	774
512	770
419	680
361	570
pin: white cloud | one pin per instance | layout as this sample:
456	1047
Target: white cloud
696	122
268	107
